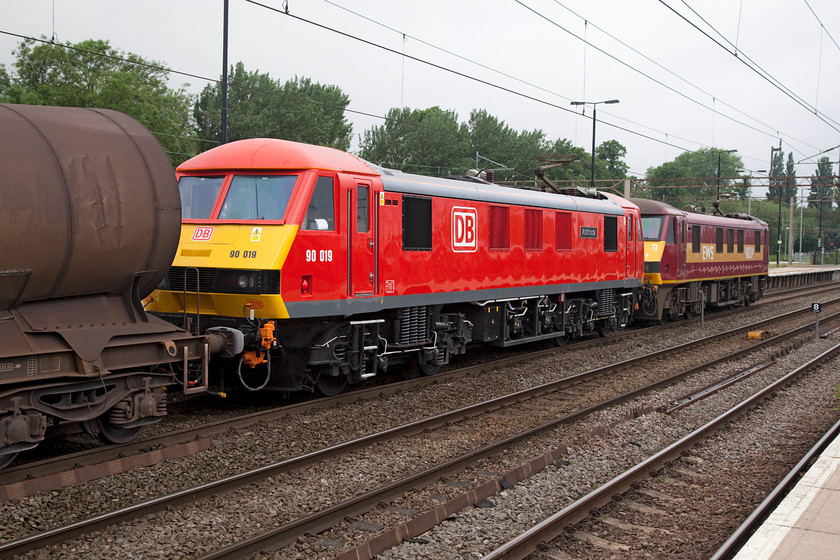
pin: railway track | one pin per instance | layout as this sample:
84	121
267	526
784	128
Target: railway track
69	463
610	493
577	395
755	519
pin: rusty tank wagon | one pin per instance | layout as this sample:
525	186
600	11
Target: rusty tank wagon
90	219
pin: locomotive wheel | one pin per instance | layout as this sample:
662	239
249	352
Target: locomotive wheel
560	341
108	432
604	330
330	385
427	368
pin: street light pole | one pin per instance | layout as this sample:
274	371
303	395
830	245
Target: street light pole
594	105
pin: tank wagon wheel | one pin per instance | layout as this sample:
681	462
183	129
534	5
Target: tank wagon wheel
330	385
108	432
7	459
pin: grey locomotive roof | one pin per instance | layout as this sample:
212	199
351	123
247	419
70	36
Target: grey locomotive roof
654	207
397	181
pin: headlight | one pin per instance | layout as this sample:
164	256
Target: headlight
222	280
246	281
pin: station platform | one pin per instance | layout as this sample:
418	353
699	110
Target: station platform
806	524
801	275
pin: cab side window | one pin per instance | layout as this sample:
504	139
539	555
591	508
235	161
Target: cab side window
670	235
320	215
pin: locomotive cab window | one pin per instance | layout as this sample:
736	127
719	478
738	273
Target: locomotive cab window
198	196
320	214
362	206
258	197
670	236
417	223
652	228
757	241
610	234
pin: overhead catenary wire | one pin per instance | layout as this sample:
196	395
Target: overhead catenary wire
749	63
352	111
666	142
497	71
824	28
773	130
634	69
454	72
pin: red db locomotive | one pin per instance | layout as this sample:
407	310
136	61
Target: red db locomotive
335	269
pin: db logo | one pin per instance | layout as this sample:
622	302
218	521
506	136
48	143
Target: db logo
464	235
202	233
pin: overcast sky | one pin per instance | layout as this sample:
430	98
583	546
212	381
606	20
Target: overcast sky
678	88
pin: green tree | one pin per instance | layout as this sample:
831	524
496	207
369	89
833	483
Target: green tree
432	141
94	74
777	175
519	151
612	153
821	183
427	141
790	188
261	107
5	81
692	177
577	171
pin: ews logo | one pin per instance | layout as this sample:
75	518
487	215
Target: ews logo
464	234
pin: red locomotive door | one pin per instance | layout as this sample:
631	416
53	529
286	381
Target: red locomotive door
630	255
361	236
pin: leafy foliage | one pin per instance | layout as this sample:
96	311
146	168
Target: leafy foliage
782	177
697	172
426	141
821	183
612	153
261	107
94	74
432	141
